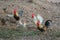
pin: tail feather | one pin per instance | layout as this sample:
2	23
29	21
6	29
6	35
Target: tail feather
47	23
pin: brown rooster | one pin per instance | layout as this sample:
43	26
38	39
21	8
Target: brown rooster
16	15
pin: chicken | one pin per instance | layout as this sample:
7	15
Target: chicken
22	24
38	20
16	15
34	18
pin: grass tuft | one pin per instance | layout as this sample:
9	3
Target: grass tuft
7	33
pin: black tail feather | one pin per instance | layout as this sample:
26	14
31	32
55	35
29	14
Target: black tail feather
47	23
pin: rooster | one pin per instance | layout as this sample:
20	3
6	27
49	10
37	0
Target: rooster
16	15
38	20
22	24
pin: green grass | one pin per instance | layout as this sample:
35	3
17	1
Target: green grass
7	33
57	34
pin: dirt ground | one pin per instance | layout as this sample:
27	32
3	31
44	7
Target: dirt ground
47	9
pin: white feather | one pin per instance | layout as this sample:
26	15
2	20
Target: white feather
20	22
35	19
9	15
24	24
40	18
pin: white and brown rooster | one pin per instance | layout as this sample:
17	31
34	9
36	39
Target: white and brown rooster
38	20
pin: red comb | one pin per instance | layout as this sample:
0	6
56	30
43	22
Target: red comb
14	11
33	15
